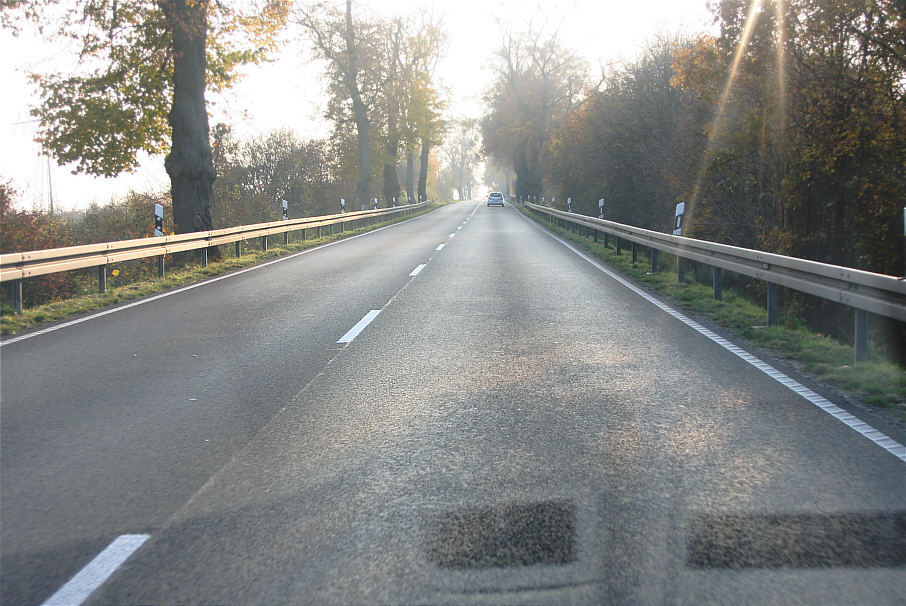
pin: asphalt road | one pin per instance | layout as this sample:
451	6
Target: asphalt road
514	426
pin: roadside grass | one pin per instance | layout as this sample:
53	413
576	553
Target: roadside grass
33	317
877	382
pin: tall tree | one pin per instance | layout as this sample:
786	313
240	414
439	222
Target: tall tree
808	141
417	98
354	51
149	63
461	152
633	142
538	80
378	72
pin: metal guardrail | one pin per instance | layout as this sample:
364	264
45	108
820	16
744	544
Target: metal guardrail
863	291
18	266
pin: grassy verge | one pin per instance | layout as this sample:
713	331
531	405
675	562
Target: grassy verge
877	382
33	317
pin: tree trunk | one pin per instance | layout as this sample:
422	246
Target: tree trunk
423	173
410	176
360	114
190	163
391	181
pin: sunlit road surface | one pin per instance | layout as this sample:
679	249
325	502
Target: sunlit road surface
507	424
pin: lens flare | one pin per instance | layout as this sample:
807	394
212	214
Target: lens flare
717	123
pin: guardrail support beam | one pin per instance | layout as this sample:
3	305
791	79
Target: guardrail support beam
861	344
285	238
606	240
238	248
772	304
17	295
680	270
204	257
717	278
619	246
160	266
596	234
264	243
635	252
102	279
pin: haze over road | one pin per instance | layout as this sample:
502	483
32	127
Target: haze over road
511	426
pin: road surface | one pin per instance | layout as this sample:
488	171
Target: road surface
456	409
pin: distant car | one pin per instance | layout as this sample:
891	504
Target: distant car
495	198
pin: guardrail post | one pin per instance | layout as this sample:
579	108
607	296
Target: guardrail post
160	266
606	240
635	252
717	277
285	238
102	279
861	344
772	304
264	243
238	248
17	295
596	234
653	260
303	234
680	269
319	232
619	246
204	257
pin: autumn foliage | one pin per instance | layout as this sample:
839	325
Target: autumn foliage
783	132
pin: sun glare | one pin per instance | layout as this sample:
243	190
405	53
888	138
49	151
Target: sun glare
717	123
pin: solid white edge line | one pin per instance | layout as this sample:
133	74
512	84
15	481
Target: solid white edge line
453	235
417	270
886	442
440	247
170	293
97	571
359	327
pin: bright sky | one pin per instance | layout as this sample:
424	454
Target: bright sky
288	92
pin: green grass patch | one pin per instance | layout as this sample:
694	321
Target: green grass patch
878	382
12	323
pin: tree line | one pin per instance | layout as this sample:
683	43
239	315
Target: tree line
146	65
783	132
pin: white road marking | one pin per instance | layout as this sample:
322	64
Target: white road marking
458	228
97	571
417	270
453	235
170	293
475	210
355	330
886	442
440	246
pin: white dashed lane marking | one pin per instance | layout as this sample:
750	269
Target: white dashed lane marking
359	327
97	571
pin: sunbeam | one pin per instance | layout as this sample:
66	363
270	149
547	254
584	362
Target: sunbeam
719	116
